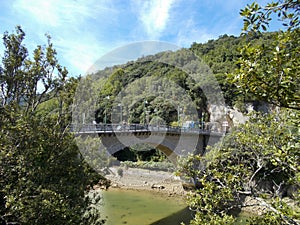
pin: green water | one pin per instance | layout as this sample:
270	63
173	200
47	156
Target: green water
134	207
143	208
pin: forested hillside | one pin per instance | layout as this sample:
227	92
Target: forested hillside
217	58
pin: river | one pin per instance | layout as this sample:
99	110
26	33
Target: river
143	208
140	207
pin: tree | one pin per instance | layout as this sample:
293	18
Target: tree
271	72
258	160
43	178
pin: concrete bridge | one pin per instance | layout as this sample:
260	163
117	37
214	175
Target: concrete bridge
172	141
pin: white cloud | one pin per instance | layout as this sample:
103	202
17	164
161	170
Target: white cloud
59	12
154	15
83	30
80	53
41	11
73	25
195	21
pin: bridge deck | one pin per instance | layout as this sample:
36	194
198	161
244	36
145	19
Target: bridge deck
135	128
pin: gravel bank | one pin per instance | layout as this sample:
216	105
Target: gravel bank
142	179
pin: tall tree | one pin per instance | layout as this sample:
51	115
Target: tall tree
43	178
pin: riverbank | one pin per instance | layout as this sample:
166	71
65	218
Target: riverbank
166	184
160	182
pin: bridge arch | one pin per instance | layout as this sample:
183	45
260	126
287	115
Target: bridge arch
171	145
166	148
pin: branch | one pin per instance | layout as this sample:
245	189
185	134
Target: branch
254	174
244	192
284	217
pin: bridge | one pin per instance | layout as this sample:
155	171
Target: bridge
172	141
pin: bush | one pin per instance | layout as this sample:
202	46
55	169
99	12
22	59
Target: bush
120	172
164	166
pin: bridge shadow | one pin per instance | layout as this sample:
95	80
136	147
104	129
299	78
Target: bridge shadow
184	215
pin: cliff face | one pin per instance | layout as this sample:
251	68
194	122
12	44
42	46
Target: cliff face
224	116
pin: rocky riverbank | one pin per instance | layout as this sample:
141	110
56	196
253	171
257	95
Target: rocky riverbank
166	184
143	179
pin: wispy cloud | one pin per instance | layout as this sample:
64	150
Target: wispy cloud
42	11
58	12
200	21
74	26
84	30
154	15
79	54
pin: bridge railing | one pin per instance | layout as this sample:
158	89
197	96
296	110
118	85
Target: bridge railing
110	128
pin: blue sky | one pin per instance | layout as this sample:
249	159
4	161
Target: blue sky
84	30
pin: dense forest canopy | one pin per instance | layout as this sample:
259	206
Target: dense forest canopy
209	61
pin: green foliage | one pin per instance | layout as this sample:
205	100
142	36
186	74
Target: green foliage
214	219
120	172
257	159
222	55
20	76
269	218
270	71
146	152
139	152
164	166
150	89
258	17
44	179
41	170
148	79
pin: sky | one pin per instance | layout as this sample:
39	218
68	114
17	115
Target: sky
83	31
